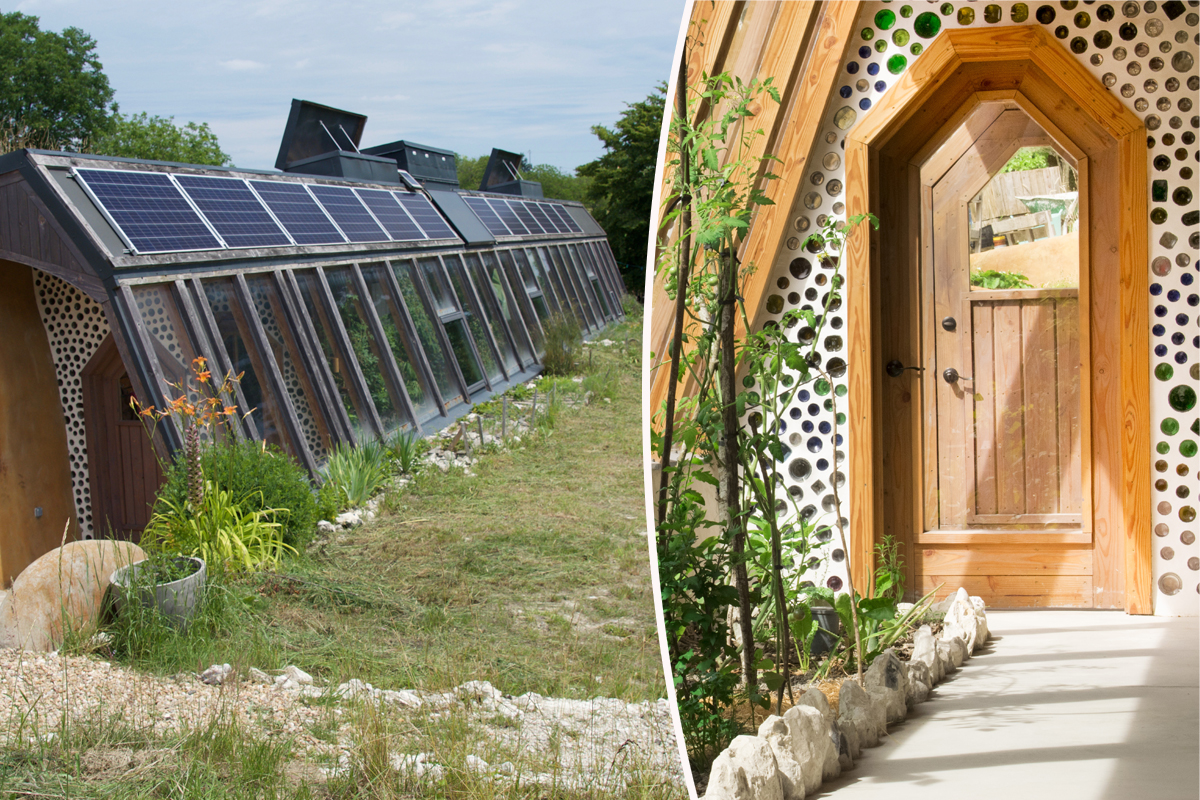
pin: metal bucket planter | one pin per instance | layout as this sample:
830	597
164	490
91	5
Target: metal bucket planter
830	626
176	600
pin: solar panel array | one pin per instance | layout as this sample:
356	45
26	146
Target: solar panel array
158	212
519	217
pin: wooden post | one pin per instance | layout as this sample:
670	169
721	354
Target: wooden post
533	411
479	419
504	418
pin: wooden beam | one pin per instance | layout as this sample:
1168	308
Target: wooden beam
1135	374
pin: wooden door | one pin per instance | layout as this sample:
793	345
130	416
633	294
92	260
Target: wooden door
124	474
1010	516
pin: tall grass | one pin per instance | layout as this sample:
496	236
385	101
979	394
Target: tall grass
406	447
564	338
359	472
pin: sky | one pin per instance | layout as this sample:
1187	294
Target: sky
530	76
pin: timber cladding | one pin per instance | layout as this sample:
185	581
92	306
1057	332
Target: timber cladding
910	85
34	471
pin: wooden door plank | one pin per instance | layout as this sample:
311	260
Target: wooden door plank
1010	411
1039	537
1040	379
1009	591
1069	458
984	372
949	284
1005	559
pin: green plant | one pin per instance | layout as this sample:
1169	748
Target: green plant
359	472
227	533
261	476
889	570
564	337
407	447
602	383
993	279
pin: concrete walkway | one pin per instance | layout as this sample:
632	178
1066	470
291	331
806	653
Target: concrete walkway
1061	705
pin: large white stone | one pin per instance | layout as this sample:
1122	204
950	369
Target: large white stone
860	721
925	651
960	621
810	742
919	683
64	586
775	731
946	657
887	682
745	770
834	762
983	633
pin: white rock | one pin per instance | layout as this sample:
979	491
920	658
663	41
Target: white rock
216	675
960	621
256	675
834	762
886	681
325	526
294	673
405	698
476	764
861	721
919	683
958	650
775	731
348	519
983	633
353	688
477	690
745	770
810	743
946	658
925	651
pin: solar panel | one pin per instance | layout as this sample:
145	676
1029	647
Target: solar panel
547	224
565	217
510	218
349	213
150	211
231	208
390	215
487	216
421	210
295	208
525	216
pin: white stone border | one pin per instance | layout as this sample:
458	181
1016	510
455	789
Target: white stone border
793	754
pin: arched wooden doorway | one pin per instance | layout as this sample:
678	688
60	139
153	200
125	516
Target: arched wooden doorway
936	115
124	472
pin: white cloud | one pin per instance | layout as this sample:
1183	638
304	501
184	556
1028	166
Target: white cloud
241	64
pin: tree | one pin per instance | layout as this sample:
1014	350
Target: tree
160	139
622	183
54	92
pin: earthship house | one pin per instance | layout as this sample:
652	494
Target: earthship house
1036	443
359	293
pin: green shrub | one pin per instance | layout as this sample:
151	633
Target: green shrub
407	447
228	532
259	476
564	338
358	472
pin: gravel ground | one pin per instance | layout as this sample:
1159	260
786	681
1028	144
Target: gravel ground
595	743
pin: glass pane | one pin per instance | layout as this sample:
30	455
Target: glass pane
443	303
490	365
296	379
403	350
498	296
406	276
456	331
569	269
326	330
235	335
550	285
366	349
1023	227
172	346
523	306
565	290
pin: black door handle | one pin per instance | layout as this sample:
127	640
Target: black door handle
950	375
894	367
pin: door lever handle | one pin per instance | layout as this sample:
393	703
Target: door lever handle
894	368
950	375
